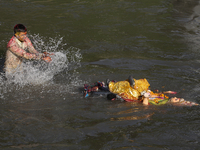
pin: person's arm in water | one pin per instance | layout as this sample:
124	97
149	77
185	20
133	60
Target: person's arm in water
30	46
146	99
45	56
22	53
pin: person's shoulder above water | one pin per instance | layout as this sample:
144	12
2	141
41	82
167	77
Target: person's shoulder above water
12	41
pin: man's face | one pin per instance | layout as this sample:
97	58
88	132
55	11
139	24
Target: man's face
21	36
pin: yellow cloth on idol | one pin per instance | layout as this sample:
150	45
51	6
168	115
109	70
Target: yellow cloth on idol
124	89
141	85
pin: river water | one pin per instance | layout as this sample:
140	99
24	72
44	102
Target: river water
93	40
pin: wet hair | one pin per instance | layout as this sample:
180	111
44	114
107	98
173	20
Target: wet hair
19	28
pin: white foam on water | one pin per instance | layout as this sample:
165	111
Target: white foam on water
39	72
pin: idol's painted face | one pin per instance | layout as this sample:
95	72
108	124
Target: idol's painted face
175	100
21	36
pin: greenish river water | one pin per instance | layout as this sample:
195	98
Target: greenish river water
95	40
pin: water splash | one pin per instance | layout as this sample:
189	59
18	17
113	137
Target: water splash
48	44
39	72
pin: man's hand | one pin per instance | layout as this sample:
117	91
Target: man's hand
47	54
47	59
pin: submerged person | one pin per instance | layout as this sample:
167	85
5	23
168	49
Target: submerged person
20	47
132	90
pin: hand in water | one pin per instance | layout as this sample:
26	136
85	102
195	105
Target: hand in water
47	59
47	54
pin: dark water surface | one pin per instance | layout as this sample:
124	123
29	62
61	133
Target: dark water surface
154	39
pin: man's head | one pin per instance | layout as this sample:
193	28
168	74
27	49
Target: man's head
20	32
19	28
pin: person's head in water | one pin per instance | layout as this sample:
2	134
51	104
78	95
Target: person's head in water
20	32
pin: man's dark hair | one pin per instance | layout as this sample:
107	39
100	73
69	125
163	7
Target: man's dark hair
19	28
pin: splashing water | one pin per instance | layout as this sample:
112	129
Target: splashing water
39	72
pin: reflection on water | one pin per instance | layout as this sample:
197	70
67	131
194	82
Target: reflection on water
132	117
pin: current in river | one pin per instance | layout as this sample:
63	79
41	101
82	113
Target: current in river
95	40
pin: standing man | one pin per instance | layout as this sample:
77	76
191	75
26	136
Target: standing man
20	47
